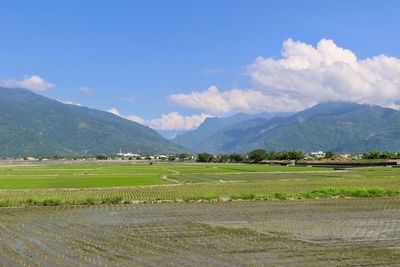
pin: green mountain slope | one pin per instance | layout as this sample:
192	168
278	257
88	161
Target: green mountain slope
211	126
31	124
337	126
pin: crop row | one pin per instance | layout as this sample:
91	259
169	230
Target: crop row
145	194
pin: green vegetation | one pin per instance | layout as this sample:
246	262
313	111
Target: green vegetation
98	175
47	184
108	183
333	126
257	155
381	155
131	195
69	130
77	213
204	157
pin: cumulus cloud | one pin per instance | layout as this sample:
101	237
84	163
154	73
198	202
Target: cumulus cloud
175	121
215	102
85	90
34	83
303	76
327	72
170	121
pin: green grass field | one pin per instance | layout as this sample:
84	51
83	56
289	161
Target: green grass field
104	182
90	175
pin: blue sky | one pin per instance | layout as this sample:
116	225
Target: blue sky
134	55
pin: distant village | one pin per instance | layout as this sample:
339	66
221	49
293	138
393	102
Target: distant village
126	156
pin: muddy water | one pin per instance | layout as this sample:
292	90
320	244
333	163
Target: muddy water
254	233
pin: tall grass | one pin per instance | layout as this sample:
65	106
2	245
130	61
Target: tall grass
322	192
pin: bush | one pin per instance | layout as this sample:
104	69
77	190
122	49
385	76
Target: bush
4	202
50	202
112	200
88	201
243	196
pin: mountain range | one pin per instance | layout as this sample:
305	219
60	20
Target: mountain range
31	124
335	126
211	126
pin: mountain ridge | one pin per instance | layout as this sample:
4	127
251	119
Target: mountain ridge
336	126
212	125
32	124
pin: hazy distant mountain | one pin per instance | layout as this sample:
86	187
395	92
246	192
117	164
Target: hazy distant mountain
337	126
31	124
170	134
211	126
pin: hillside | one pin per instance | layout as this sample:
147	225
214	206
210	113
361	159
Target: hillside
211	126
336	126
31	124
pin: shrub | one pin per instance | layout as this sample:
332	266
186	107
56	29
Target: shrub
112	200
243	196
50	202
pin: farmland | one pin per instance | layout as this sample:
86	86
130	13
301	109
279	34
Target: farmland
302	232
86	175
91	183
116	213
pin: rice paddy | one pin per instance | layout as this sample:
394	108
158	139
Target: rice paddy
89	175
125	213
327	232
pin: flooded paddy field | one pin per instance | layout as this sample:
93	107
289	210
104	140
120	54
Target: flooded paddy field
315	232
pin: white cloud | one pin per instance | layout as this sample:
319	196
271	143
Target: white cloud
85	90
34	83
175	121
327	72
70	103
215	102
170	121
303	76
114	111
136	119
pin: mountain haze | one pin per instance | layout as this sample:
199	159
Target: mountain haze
336	126
211	126
31	124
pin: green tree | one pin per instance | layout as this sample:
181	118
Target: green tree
329	154
295	155
257	155
223	158
183	156
236	157
101	157
204	157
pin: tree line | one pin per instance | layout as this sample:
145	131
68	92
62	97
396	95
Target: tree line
254	156
381	155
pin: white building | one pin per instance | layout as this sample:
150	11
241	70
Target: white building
317	154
